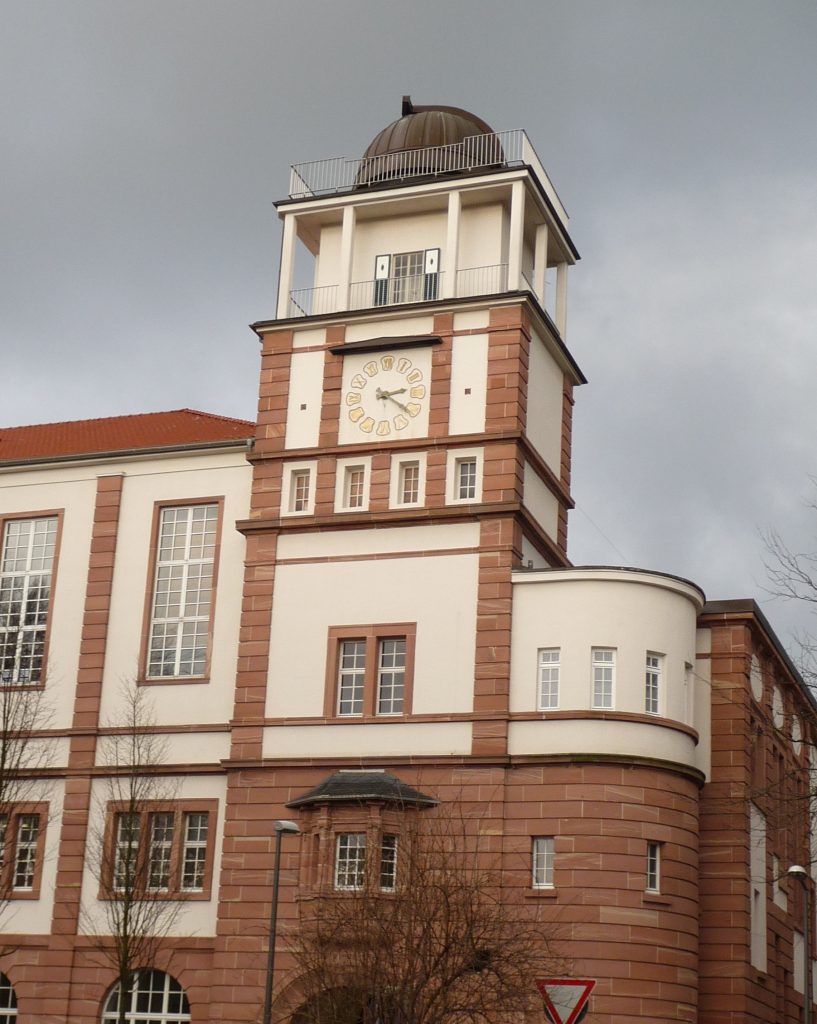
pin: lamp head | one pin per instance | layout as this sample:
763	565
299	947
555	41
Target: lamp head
797	871
286	826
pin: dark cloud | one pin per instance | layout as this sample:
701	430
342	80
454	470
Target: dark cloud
144	143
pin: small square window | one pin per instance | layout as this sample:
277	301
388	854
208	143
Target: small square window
466	479
549	666
542	862
299	491
298	497
407	482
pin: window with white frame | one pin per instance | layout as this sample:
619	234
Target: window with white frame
464	475
155	998
182	591
408	487
391	675
164	850
407	481
549	665
352	485
26	564
8	1001
350	860
351	677
543	857
604	670
300	487
652	683
406	277
370	670
653	867
388	863
22	850
466	482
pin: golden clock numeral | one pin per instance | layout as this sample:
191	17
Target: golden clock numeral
367	425
415	376
370	369
383	428
358	382
353	398
356	414
413	408
403	365
387	362
418	391
400	421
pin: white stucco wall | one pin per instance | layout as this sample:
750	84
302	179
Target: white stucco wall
469	383
215	475
540	501
544	411
195	916
304	400
631	612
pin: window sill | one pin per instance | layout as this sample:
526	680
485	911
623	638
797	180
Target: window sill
541	894
656	899
171	680
198	896
21	894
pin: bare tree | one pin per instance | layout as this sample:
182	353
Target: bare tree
792	576
26	753
131	846
425	932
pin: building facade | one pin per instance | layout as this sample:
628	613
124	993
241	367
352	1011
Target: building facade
370	587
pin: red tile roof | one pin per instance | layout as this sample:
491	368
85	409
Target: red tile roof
150	430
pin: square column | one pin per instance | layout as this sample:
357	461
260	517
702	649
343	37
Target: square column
347	242
452	246
287	266
516	235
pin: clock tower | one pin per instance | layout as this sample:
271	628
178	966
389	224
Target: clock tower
413	444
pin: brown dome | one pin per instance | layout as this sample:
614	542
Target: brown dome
428	141
420	127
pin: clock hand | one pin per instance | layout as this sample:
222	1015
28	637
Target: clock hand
380	393
400	404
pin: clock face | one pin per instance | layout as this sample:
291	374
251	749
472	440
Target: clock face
386	395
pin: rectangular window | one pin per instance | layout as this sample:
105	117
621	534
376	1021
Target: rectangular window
25	854
466	484
463	475
165	849
543	858
194	854
652	683
350	860
22	843
391	676
353	487
369	670
408	487
299	489
407	280
604	666
653	867
549	678
26	564
182	592
351	677
388	863
161	848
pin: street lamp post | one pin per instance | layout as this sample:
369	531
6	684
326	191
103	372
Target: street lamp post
280	828
799	872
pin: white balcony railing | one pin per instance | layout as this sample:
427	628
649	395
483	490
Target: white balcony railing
396	291
478	152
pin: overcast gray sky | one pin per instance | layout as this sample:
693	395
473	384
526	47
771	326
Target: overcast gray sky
143	143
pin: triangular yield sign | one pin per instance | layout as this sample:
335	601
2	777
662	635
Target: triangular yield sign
565	998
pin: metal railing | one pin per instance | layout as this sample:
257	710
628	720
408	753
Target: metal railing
482	280
313	301
396	291
340	174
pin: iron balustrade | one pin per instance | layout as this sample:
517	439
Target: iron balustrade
477	152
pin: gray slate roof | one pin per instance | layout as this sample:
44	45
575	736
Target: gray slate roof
358	786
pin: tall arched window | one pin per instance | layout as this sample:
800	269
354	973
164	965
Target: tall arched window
156	998
8	1002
